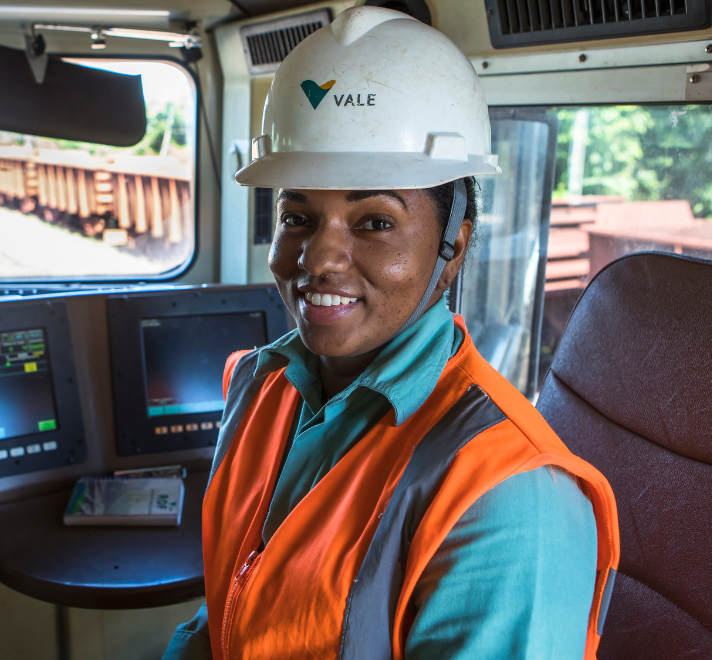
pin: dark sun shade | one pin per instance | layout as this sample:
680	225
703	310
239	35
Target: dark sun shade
73	103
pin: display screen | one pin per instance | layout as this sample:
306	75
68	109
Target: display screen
26	391
184	358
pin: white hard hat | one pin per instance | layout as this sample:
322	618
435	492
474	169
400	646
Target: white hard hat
376	100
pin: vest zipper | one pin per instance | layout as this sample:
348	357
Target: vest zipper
238	584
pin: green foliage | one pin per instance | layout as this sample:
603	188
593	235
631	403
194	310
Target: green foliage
158	122
70	144
8	139
642	153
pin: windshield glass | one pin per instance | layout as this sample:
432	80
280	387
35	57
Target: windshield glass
628	178
77	211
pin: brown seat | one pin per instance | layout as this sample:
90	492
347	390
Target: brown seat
630	391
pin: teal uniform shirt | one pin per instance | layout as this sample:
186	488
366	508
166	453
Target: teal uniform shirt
513	579
401	377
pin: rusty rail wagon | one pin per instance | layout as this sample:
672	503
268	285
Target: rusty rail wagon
146	194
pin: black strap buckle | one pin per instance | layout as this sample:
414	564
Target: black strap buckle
447	251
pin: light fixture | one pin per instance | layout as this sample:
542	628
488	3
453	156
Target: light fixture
186	40
158	19
84	12
97	39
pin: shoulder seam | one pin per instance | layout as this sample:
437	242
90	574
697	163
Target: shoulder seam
507	417
192	632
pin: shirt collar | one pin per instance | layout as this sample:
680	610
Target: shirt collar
418	355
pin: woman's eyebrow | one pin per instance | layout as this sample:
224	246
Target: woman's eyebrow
286	195
358	195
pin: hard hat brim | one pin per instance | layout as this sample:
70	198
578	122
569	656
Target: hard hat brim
359	171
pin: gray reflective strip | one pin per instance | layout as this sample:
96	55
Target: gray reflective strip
243	387
370	609
605	600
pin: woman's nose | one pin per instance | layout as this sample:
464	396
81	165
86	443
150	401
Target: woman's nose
326	251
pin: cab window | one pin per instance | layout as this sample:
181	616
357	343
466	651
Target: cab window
628	178
78	211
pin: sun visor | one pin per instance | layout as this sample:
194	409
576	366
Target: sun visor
73	102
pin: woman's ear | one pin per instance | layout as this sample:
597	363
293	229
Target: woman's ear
462	242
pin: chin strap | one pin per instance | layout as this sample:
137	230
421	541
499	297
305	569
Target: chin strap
446	251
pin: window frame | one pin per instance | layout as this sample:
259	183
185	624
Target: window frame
632	75
183	268
656	74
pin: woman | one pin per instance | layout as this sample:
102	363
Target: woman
378	489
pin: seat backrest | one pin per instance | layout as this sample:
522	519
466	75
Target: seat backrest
630	391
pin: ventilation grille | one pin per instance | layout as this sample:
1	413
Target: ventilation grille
273	47
537	22
267	44
263	216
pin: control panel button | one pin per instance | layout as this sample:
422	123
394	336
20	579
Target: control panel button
177	428
161	430
34	449
49	446
217	424
206	426
3	454
191	427
17	451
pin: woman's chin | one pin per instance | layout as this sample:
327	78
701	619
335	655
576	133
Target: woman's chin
330	342
325	342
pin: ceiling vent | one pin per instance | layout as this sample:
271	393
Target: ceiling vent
267	44
515	23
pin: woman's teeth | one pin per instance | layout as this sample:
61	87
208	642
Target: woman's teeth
327	300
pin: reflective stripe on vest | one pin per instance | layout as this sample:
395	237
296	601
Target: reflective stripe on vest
336	578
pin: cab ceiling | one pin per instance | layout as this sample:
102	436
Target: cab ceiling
153	13
138	12
464	21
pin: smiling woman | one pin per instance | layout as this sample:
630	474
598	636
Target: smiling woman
378	489
367	245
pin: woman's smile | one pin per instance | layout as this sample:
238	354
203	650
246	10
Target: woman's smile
326	308
353	265
327	299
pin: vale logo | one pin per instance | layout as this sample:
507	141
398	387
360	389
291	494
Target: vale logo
316	93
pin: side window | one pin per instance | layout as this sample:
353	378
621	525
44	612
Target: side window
81	211
502	283
628	178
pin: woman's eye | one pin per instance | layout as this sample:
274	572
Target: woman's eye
376	225
294	220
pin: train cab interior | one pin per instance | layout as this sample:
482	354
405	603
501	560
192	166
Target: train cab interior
132	265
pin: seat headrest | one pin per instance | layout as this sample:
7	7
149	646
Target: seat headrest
638	348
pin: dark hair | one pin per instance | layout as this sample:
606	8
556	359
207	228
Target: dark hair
442	196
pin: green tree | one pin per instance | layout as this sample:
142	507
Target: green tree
642	153
158	122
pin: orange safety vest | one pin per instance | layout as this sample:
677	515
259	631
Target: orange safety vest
335	580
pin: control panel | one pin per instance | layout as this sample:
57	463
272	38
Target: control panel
41	424
168	354
120	378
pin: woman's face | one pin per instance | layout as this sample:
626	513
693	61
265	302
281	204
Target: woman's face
375	250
